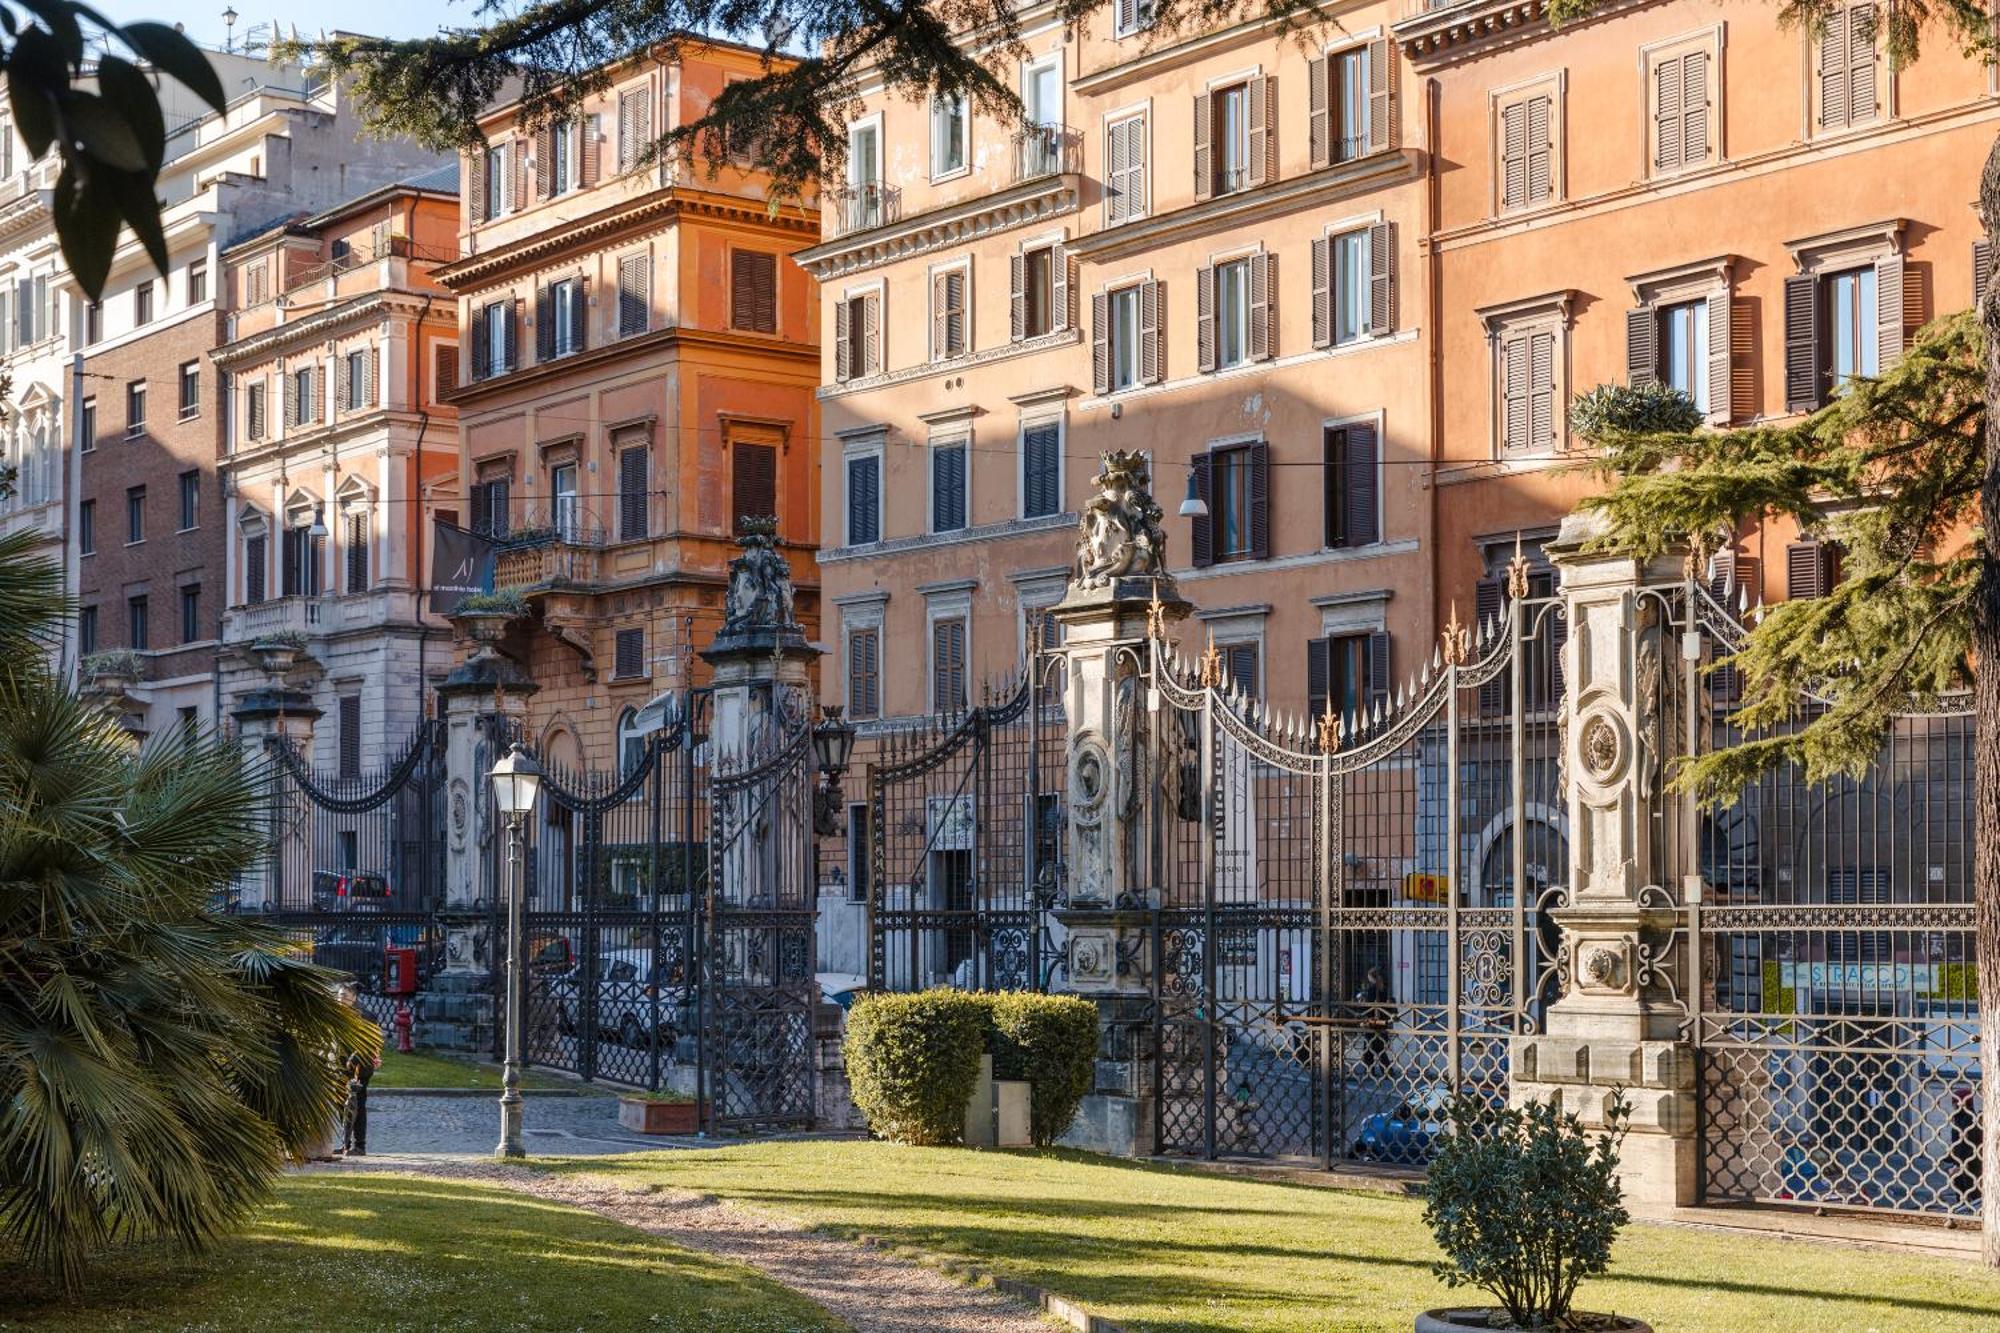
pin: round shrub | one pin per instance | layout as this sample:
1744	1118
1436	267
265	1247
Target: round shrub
1050	1040
912	1061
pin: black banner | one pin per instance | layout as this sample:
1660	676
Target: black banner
461	565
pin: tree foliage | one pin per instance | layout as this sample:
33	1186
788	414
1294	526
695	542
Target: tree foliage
789	122
70	89
1890	470
159	1060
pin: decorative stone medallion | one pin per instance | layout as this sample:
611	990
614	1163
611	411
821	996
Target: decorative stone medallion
1092	958
1598	748
1089	781
1601	965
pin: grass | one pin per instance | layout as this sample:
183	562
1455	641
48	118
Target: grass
396	1253
427	1069
1155	1247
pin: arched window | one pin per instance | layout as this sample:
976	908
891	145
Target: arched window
631	742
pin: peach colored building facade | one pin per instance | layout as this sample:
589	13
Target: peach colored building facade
636	370
334	432
1209	252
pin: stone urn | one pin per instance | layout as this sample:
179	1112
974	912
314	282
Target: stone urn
485	628
1489	1317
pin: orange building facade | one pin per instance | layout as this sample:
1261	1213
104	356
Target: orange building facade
636	369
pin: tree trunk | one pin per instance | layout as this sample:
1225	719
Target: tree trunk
1986	779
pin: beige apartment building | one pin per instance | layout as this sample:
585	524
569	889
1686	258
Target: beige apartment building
1207	248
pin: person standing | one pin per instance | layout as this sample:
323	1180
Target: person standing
360	1068
1373	1000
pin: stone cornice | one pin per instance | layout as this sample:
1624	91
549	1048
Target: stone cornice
1004	352
941	228
367	308
1452	32
471	394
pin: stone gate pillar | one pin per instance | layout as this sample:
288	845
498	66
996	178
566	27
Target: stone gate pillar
1119	592
263	717
1618	1026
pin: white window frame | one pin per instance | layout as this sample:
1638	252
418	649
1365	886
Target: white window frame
938	172
1143	113
1335	232
1112	340
963	265
1555	83
1032	66
859	612
1553	314
1702	39
1142	20
571	289
953	603
1239	259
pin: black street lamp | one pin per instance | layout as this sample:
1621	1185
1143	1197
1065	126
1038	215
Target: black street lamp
833	743
517	779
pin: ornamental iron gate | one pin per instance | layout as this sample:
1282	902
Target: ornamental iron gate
1834	996
1341	944
966	823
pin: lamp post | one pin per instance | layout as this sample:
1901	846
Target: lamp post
516	780
833	742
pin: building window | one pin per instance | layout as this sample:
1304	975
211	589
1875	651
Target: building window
1132	16
197	280
1242	667
948	484
635	127
1235	317
948	669
1041	288
86	527
1125	337
563	495
1851	341
1232	313
753	291
753	482
494	352
1353	486
357	553
495	180
1527	152
632	499
1234	481
253	410
629	657
135	622
360	379
559	316
1226	123
135	515
1680	99
86	425
1232	503
1349	71
1041	469
254	578
1845	66
302	559
948	314
191	613
142	303
304	412
491	498
93	323
860	852
635	294
190	499
556	146
864	499
864	673
857	345
348	743
256	284
1683	352
1526	393
1345	673
864	175
950	129
135	408
1843	321
444	371
631	742
1348	271
86	631
1125	150
190	381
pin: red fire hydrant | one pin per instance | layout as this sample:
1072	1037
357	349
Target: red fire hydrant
405	1020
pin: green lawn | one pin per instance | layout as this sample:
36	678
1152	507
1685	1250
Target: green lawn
429	1069
368	1252
1153	1247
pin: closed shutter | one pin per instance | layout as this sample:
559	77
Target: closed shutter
1201	529
1642	364
1736	582
1809	569
1982	271
350	736
1062	289
1802	370
321	409
1260	501
864	673
370	384
755	481
1380	683
1041	448
1263	307
1383	129
1363	507
871	334
589	151
1263	130
1319	124
753	285
1319	676
255	410
545	162
1721	344
948	664
1489	602
357	553
1382	278
475	195
1100	343
635	294
843	340
1833	112
1137	180
545	325
1017	297
1514	155
1514	392
1204	162
444	374
632	515
1117	204
1694	107
1322	291
1888	312
579	315
864	501
1239	668
1542	390
518	198
1667	114
1152	314
254	579
629	654
947	488
1861	22
1204	319
948	314
500	497
1541	150
510	317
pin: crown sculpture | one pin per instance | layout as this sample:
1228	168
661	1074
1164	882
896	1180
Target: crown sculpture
1118	534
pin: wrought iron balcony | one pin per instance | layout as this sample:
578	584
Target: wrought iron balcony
859	207
1046	150
550	549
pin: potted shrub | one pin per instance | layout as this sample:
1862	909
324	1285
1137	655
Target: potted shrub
112	669
486	615
1525	1204
658	1112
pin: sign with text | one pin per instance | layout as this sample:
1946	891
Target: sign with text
461	565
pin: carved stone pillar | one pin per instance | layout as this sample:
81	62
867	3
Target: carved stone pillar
1617	1029
263	718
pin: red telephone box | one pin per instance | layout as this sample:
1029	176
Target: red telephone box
399	971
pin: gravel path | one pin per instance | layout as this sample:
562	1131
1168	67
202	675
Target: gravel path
874	1291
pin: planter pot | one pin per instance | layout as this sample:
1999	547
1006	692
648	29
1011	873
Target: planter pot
1481	1317
650	1117
485	628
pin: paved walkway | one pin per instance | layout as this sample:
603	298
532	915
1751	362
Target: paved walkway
561	1124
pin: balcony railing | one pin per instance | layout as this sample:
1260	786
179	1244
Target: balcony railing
1046	150
556	547
297	613
859	207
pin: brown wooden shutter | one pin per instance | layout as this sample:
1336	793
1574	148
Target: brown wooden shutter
863	673
843	341
318	406
1541	150
1802	370
1642	357
370	389
1017	296
1260	501
1694	107
625	125
1667	114
518	197
579	316
635	295
940	347
589	151
1833	112
1201	527
1100	346
1384	132
1204	162
1888	312
1263	98
1489	601
1382	278
1062	283
1380	683
511	314
545	161
1204	319
1152	316
871	334
1514	155
1138	181
753	291
1362	507
475	202
1514	392
1721	343
1808	569
1322	291
1115	165
444	374
1319	676
1861	24
1319	121
628	654
1542	389
632	507
955	340
1263	307
754	485
545	325
350	739
1982	271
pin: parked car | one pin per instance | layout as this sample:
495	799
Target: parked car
345	890
358	950
1404	1136
840	988
627	982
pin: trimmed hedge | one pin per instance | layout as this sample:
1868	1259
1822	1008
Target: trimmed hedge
1050	1040
912	1061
